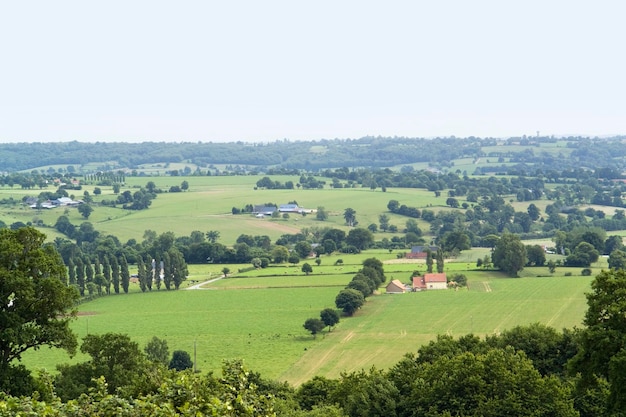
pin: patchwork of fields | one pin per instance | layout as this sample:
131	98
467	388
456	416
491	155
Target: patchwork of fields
258	315
260	319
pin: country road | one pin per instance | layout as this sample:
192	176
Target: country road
199	286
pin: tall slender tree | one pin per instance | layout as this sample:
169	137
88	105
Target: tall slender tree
89	273
167	270
115	274
71	268
429	261
141	274
106	271
158	266
179	267
96	267
149	271
80	275
124	273
440	260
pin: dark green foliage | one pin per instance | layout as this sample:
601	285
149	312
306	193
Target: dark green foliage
38	305
440	259
429	261
314	326
330	317
316	392
583	255
124	273
603	342
377	266
613	243
548	349
536	255
157	351
113	356
456	240
303	249
360	238
349	301
509	254
367	394
180	361
495	383
85	210
16	380
361	285
617	259
460	279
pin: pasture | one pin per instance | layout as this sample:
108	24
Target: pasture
258	315
208	204
259	318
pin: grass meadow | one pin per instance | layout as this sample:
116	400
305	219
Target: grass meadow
259	318
258	315
208	204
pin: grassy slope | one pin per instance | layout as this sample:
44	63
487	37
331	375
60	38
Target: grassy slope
208	203
391	325
263	323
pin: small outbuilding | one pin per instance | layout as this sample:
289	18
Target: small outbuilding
395	287
421	252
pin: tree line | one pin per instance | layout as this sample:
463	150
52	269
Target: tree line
336	153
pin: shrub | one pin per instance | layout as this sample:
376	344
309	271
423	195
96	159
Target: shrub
586	272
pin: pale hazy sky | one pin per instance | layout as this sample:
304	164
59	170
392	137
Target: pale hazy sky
266	70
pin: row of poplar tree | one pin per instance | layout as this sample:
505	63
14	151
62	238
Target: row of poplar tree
107	273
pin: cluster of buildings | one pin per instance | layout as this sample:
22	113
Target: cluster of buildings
262	211
432	281
33	203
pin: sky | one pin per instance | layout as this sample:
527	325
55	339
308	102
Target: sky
260	71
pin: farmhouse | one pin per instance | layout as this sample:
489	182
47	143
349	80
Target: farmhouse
395	287
289	208
65	201
430	282
49	204
263	210
420	252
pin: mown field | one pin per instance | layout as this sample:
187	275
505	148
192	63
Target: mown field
260	319
208	204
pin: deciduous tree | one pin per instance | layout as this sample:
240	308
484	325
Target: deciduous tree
602	350
180	360
85	210
349	301
37	304
330	317
360	238
617	259
509	254
314	326
349	215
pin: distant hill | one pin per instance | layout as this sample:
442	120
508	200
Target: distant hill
371	152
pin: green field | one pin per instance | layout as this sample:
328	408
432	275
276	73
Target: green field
208	204
260	319
258	315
